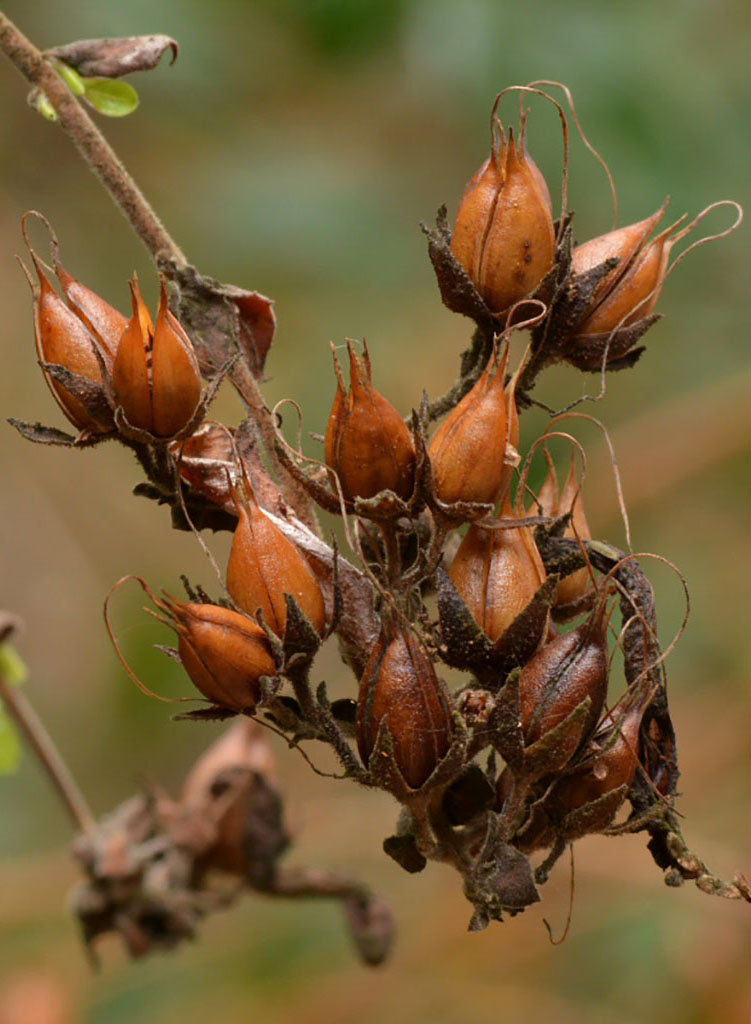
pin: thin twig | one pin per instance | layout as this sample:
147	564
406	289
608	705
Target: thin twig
90	143
40	741
316	883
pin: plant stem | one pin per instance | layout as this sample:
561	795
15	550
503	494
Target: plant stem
89	142
40	741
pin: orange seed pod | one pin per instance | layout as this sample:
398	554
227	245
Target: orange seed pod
622	244
497	573
468	452
368	444
503	235
400	688
155	374
264	566
224	653
62	338
104	321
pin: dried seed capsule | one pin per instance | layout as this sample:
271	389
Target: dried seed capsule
264	566
468	452
104	321
622	244
635	290
578	584
562	674
503	235
612	764
368	444
155	375
400	688
63	339
223	652
497	573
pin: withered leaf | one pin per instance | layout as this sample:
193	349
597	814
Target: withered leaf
221	319
112	58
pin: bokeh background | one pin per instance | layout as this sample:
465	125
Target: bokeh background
294	148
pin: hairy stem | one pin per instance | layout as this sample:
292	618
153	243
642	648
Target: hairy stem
89	142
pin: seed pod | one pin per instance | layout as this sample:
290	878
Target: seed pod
613	765
104	321
223	652
622	244
468	452
497	573
503	235
155	375
63	339
578	584
264	566
400	688
562	674
368	444
635	291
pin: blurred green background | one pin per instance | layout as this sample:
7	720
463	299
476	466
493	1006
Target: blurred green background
294	148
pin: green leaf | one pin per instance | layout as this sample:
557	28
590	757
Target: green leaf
110	97
12	668
71	78
10	746
44	107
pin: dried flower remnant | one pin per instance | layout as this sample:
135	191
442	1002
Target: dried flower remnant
368	444
156	378
503	235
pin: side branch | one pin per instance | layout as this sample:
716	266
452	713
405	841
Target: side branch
90	143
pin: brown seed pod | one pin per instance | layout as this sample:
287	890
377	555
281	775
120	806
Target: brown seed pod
503	235
400	689
224	653
578	584
612	763
468	452
264	566
368	444
622	244
63	339
634	286
497	573
105	322
564	673
155	375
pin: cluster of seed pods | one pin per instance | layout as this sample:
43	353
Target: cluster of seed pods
459	563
